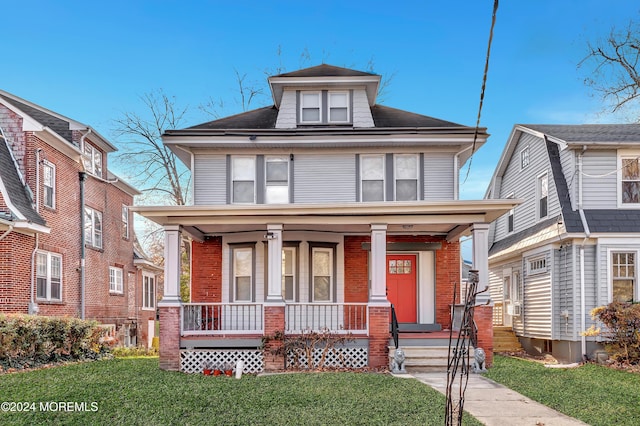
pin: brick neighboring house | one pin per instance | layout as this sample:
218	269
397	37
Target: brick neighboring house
323	210
51	169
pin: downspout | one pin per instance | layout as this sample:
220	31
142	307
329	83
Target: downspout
33	306
587	232
82	176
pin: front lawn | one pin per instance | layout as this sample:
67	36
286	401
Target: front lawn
136	392
594	394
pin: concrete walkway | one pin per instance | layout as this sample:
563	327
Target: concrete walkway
496	405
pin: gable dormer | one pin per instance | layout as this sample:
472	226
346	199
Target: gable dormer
324	95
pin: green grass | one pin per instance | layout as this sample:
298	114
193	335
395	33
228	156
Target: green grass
136	392
594	394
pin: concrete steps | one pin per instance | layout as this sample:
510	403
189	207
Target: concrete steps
424	358
505	340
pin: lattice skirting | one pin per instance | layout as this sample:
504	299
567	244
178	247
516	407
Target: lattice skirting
357	357
192	361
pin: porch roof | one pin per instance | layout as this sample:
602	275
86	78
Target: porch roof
453	218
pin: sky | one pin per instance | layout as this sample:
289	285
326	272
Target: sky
92	60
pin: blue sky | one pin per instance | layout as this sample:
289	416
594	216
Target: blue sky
92	60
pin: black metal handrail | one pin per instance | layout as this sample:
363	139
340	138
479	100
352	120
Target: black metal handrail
394	326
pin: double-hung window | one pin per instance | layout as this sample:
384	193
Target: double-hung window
372	172
243	274
338	107
289	273
623	276
49	184
92	160
48	276
524	157
322	275
406	177
324	107
310	107
543	196
148	291
243	175
630	181
276	180
125	221
510	219
115	280
93	227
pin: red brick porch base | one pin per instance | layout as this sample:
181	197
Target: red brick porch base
379	336
170	338
483	316
273	322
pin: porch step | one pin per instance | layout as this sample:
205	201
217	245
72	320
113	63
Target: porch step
505	340
424	358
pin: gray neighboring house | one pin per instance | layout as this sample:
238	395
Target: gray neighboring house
574	242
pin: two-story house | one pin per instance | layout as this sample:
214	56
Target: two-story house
322	210
573	244
66	229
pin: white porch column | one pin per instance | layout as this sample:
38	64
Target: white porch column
378	293
274	242
172	265
480	254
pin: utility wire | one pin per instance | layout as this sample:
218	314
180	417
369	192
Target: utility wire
484	83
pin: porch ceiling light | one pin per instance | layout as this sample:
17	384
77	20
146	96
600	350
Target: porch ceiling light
270	236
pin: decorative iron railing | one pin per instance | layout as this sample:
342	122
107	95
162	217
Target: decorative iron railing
335	317
395	333
222	318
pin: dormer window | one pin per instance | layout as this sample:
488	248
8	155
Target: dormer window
92	160
324	107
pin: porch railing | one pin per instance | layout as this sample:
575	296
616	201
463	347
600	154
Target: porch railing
222	318
336	317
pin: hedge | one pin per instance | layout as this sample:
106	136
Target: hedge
29	341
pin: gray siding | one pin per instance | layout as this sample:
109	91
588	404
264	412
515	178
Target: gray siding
209	179
599	187
565	296
523	183
537	300
438	176
325	178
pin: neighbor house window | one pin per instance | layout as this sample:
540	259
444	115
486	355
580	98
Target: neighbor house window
310	107
276	179
510	215
115	279
543	196
125	221
338	107
322	274
406	177
92	160
49	183
148	291
630	181
93	227
524	157
623	276
289	273
243	274
48	276
243	175
372	177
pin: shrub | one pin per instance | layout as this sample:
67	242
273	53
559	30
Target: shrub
621	330
29	341
124	352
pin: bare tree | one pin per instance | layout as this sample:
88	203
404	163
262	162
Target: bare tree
614	61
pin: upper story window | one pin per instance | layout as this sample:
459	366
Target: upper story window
49	276
115	280
406	177
276	180
543	196
93	227
623	276
524	157
243	175
630	181
325	107
510	215
372	173
49	184
125	221
148	291
92	160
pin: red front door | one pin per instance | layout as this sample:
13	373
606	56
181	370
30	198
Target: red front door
401	285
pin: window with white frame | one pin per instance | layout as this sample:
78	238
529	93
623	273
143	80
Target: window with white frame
93	227
276	180
510	223
289	273
148	291
524	157
48	276
92	160
406	176
338	107
49	184
125	221
537	265
543	196
310	107
322	275
516	283
242	274
115	280
243	176
630	181
372	173
623	276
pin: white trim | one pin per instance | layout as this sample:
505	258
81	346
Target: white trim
276	159
626	154
302	107
544	174
384	175
48	164
416	157
347	106
232	180
235	251
114	288
49	255
522	151
329	251
153	277
609	283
